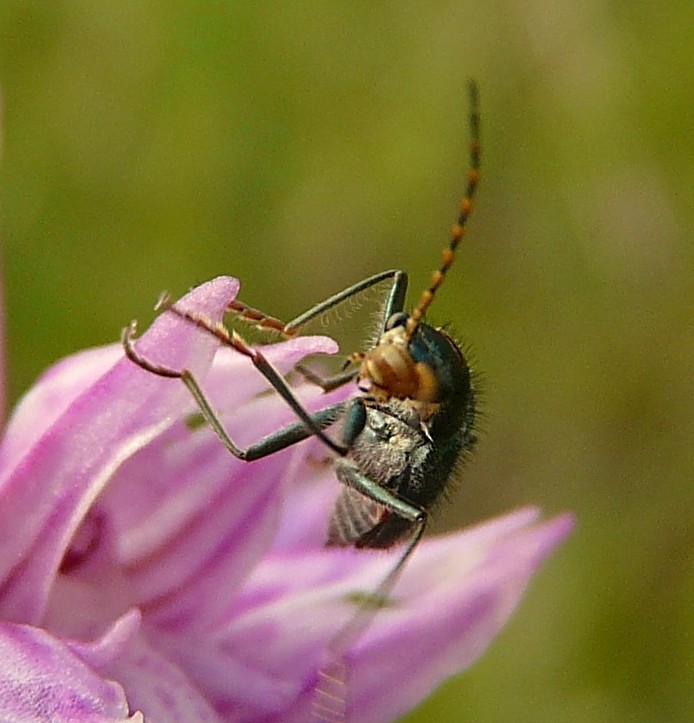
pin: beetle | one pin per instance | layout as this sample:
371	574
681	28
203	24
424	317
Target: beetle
400	438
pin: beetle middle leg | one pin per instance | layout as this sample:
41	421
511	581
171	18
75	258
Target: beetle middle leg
330	692
414	520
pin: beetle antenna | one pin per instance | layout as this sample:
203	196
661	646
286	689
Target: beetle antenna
458	230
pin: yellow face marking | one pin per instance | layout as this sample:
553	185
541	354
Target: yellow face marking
389	371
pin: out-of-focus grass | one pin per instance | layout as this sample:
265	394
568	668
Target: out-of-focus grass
303	146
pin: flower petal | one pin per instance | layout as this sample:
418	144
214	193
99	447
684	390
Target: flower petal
454	596
3	370
203	518
465	619
159	688
41	680
46	491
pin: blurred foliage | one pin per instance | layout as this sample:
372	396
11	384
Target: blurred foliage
303	146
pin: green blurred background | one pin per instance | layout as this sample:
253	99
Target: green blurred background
304	146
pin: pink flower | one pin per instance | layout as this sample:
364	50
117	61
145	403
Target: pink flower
147	574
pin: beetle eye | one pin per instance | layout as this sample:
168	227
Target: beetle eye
398	319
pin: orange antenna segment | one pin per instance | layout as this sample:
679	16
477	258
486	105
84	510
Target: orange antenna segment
458	230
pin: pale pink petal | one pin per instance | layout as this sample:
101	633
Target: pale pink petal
45	494
159	688
262	665
42	680
203	519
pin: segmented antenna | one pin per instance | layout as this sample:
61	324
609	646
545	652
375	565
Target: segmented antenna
458	230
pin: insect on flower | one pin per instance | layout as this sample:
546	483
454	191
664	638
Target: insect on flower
398	442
